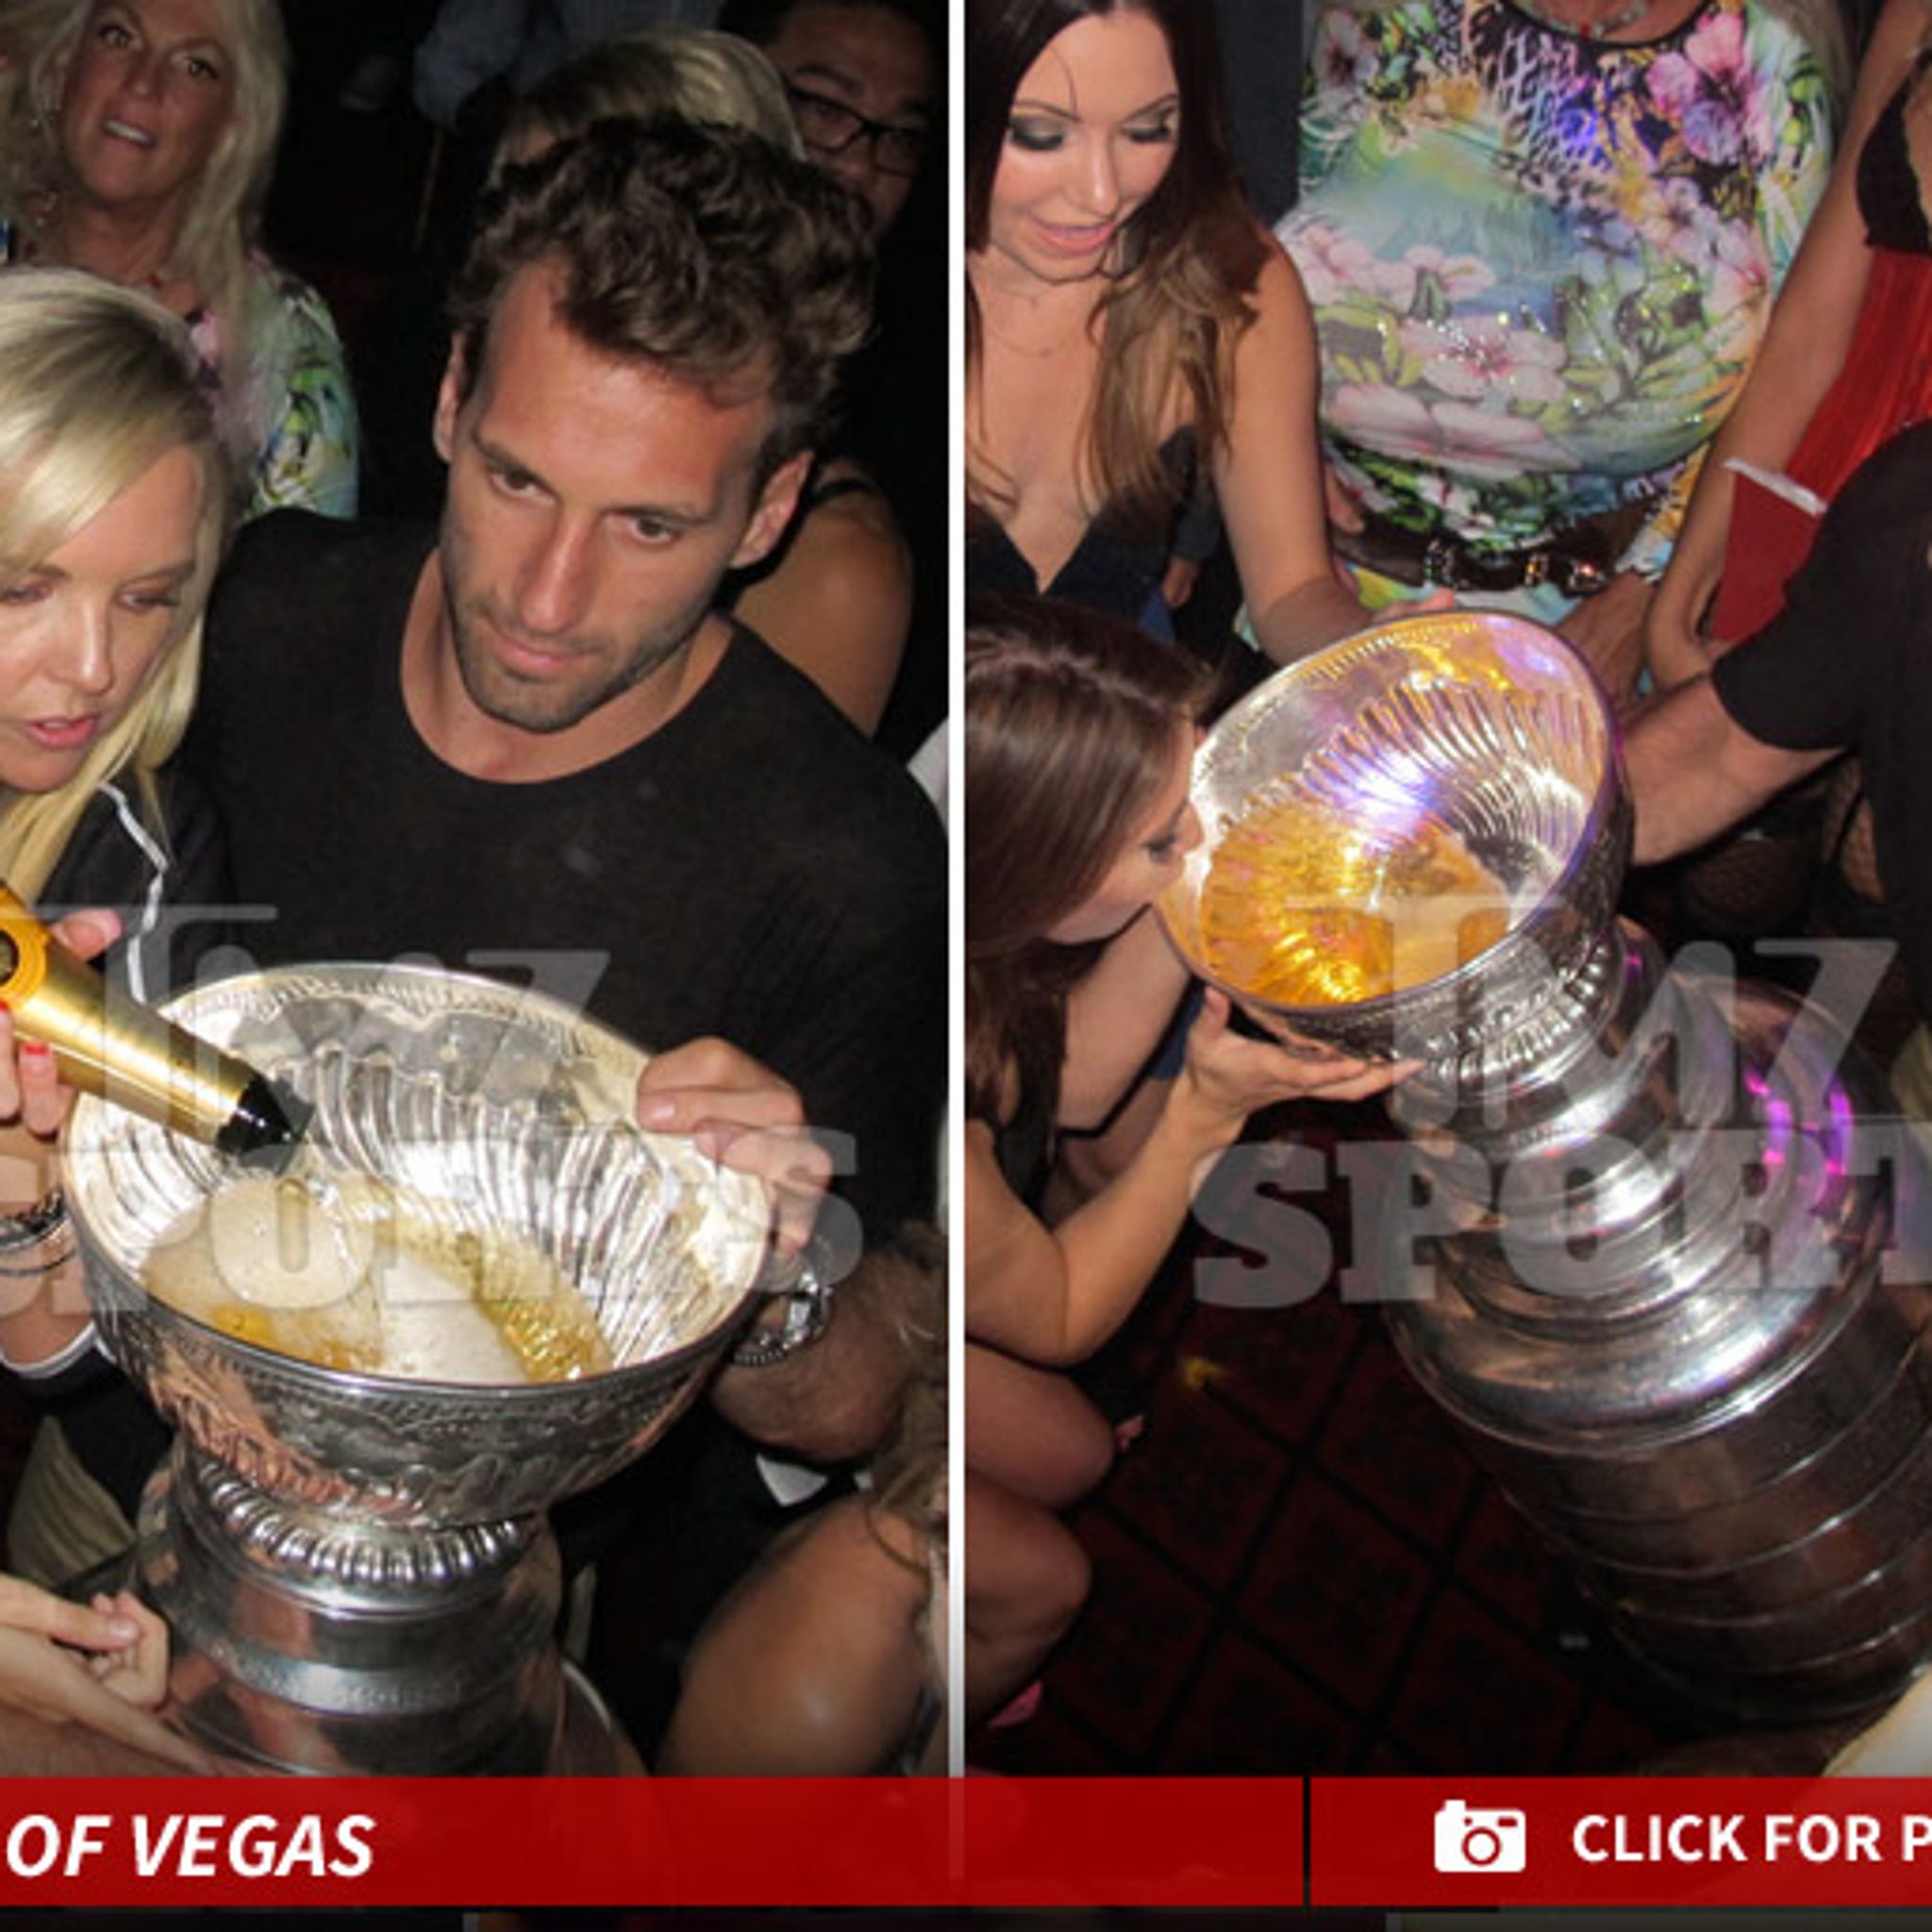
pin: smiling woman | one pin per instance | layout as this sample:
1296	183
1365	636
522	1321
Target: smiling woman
145	158
1131	329
1079	739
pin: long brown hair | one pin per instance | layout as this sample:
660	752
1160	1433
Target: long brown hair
1177	302
1070	719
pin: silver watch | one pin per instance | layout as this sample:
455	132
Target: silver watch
31	1225
808	1314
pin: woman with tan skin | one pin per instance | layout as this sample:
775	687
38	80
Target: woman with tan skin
145	160
1131	325
1079	745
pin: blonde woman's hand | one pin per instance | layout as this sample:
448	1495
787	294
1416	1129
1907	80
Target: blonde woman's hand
31	1092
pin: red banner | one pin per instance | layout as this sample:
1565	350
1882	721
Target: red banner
1620	1841
1381	1843
637	1842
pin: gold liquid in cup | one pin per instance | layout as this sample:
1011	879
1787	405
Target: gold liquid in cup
1304	908
348	1537
1393	851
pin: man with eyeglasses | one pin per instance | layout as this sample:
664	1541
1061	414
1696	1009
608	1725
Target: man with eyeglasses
864	77
865	81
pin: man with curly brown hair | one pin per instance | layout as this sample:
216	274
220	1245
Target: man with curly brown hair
527	743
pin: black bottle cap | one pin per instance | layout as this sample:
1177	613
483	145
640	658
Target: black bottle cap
267	1123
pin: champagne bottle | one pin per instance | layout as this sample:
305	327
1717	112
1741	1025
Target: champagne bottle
111	1045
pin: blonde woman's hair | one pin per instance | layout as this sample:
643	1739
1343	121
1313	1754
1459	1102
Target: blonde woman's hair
26	27
96	385
680	74
224	216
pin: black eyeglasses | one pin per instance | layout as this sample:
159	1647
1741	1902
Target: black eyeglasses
830	127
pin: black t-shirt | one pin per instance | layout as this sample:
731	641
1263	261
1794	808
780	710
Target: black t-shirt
753	869
1848	661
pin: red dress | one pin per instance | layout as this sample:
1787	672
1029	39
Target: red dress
1885	386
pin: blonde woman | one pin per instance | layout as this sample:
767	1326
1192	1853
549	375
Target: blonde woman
113	507
692	74
146	158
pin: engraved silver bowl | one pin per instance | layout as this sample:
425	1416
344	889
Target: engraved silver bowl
1653	1288
1484	724
314	1532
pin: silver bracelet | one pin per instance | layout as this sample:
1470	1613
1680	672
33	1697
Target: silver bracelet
41	1263
808	1314
32	1226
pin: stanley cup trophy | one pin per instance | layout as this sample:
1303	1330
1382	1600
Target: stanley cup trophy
348	1539
1661	1307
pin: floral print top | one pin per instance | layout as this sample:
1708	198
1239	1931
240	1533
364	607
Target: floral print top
1540	264
293	424
290	428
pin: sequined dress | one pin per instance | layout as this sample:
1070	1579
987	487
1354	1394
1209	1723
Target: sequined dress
1540	264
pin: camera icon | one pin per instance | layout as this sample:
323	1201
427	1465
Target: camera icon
1469	1839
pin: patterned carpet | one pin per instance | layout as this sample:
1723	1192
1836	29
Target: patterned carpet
1299	1569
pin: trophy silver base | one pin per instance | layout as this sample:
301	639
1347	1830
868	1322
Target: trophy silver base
591	1743
355	1566
1657	1293
307	1643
